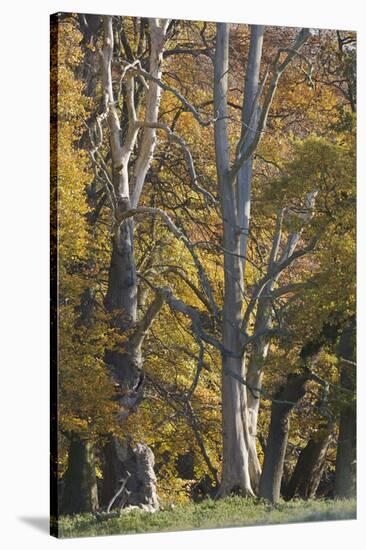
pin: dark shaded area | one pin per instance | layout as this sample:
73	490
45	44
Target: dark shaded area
345	478
80	492
310	465
285	400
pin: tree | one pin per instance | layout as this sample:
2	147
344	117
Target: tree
125	365
236	475
310	465
201	265
79	376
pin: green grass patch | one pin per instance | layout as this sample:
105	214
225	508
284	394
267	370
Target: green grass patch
229	512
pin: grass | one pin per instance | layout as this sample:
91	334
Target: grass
229	512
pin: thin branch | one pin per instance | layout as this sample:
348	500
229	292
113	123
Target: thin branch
182	237
198	369
278	267
114	498
188	156
189	107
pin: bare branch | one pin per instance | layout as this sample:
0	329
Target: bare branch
278	267
148	142
188	106
289	289
188	156
182	237
198	370
199	439
145	323
257	392
120	490
182	275
279	68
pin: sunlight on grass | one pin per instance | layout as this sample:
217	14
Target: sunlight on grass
230	512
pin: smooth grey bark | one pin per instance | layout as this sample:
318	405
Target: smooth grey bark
79	492
235	470
244	184
254	378
310	465
285	400
249	128
234	188
345	478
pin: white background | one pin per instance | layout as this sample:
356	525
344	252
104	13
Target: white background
24	197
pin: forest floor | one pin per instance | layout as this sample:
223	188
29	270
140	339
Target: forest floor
229	512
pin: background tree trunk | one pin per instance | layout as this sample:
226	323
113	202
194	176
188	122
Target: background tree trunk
345	477
80	492
310	465
284	401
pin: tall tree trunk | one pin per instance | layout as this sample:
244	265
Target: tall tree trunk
234	186
126	368
284	401
80	492
244	184
235	472
125	365
79	485
345	478
310	465
90	26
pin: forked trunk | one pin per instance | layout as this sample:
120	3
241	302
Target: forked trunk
125	364
244	183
